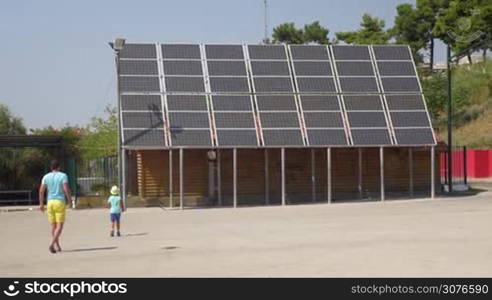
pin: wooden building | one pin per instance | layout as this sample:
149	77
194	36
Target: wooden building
355	174
237	124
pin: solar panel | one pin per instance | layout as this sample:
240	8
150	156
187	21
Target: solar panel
234	120
139	84
226	68
351	53
366	119
231	103
180	51
276	103
316	84
182	67
224	52
312	68
138	67
400	84
363	137
319	102
396	68
189	120
355	68
392	53
323	119
308	52
273	84
362	102
282	137
233	112
142	119
237	137
279	120
193	137
414	136
142	51
410	119
141	102
331	91
405	102
321	137
187	102
229	84
270	68
184	84
267	52
144	137
358	84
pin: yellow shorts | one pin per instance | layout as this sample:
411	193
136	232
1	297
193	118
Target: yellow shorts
56	211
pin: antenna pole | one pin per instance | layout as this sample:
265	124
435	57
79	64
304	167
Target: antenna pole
265	39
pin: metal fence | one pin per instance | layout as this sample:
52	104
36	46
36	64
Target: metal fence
95	177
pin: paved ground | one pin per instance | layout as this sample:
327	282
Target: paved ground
424	238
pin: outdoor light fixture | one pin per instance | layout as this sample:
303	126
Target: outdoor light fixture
212	155
118	44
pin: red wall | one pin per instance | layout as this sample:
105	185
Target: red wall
479	163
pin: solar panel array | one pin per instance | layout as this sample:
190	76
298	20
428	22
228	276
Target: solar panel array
213	95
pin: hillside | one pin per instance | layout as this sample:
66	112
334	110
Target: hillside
472	101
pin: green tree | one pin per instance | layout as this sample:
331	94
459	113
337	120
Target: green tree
287	33
464	22
316	33
311	33
371	32
10	125
414	26
102	136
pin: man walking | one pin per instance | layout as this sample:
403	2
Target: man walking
57	184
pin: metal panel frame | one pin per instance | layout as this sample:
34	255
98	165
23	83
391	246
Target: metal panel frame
211	115
382	98
162	83
295	84
341	101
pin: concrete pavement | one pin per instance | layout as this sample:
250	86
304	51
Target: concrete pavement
424	238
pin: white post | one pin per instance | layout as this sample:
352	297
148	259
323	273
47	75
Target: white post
381	164
170	178
313	176
359	173
267	183
219	179
433	170
328	170
282	158
234	162
410	168
181	184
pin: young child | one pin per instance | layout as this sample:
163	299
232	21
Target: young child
115	209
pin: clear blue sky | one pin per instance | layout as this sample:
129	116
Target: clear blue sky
57	68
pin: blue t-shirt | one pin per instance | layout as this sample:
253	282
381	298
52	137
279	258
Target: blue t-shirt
54	181
115	207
